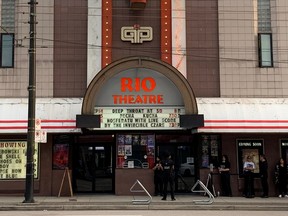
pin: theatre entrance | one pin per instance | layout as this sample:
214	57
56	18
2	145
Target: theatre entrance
93	172
184	156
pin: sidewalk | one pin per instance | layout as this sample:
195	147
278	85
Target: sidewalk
113	202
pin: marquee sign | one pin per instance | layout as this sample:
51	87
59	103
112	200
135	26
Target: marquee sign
139	118
139	98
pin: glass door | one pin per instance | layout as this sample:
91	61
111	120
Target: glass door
183	157
93	170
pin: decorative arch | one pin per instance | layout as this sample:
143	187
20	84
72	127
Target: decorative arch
140	62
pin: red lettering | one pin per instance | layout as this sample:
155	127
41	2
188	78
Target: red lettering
137	84
144	85
148	84
126	83
137	99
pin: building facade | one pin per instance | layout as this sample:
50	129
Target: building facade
122	82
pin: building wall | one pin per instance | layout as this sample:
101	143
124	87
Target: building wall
70	48
202	47
122	15
240	75
14	81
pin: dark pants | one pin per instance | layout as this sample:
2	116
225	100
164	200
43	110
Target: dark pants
282	185
225	184
168	179
249	184
158	182
264	183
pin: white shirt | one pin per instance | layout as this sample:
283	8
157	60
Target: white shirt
249	164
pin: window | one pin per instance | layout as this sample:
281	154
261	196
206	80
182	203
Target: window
284	149
7	37
135	150
265	50
210	150
7	50
264	16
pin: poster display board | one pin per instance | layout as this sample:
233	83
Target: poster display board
60	155
135	150
284	149
252	148
210	150
13	160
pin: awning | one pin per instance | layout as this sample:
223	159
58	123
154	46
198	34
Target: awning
221	115
226	115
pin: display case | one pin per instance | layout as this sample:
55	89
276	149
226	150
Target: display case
135	150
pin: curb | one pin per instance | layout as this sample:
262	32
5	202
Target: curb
126	206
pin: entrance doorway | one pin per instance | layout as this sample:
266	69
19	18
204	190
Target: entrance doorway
183	156
93	171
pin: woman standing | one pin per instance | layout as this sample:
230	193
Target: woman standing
158	177
281	174
224	170
263	169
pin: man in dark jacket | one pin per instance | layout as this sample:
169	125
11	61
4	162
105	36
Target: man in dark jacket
263	168
168	176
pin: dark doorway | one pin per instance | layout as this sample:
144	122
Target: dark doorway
93	168
183	156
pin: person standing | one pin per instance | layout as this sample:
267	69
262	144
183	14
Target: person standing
248	171
263	170
158	177
224	170
168	176
281	174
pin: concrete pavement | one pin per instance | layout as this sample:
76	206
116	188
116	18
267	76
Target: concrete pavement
113	202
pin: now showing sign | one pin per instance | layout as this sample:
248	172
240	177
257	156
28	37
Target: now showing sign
13	160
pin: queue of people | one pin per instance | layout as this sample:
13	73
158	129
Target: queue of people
164	175
280	176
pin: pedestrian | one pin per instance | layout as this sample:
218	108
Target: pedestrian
248	171
224	170
168	176
158	177
281	176
263	170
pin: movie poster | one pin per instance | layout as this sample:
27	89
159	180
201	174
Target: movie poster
60	156
254	153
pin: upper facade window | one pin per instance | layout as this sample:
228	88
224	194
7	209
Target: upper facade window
264	34
264	16
7	50
7	33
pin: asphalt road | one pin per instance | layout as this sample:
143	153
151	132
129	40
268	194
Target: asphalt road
143	213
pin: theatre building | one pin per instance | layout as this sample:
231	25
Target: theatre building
121	82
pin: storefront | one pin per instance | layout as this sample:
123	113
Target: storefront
148	108
134	110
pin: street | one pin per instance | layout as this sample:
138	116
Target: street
144	213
